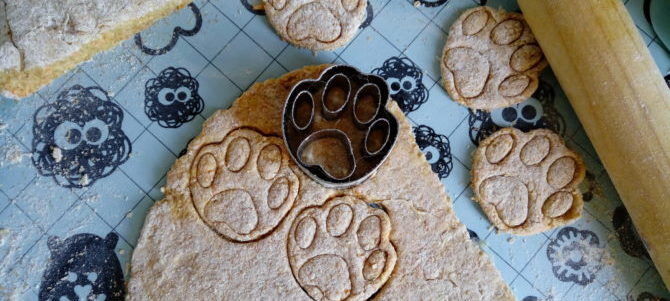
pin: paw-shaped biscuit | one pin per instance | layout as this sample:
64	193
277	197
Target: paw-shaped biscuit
337	127
243	187
341	250
491	59
316	24
527	182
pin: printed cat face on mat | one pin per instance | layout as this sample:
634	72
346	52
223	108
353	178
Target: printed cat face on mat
82	267
78	139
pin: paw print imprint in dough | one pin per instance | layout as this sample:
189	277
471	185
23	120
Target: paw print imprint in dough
527	182
491	59
337	127
316	24
243	187
341	250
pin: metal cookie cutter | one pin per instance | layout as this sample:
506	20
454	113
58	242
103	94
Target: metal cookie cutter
337	128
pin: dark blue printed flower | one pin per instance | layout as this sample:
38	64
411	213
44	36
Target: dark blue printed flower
575	255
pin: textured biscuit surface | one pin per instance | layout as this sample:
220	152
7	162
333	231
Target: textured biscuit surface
262	194
526	183
384	239
491	59
316	24
326	270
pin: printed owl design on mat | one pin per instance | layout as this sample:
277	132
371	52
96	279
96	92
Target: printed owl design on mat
534	113
78	138
405	81
172	98
82	267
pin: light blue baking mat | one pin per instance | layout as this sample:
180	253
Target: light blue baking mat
218	48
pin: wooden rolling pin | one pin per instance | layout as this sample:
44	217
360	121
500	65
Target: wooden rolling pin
620	97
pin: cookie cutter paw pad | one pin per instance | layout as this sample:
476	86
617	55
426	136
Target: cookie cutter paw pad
527	182
242	187
337	129
341	250
316	24
491	59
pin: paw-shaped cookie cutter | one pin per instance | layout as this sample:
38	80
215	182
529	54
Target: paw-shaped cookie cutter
343	108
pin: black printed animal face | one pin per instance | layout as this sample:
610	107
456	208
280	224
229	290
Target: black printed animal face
176	33
534	113
78	139
369	15
432	3
405	81
172	98
254	6
82	267
436	148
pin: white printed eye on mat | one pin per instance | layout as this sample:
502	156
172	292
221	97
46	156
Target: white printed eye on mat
113	185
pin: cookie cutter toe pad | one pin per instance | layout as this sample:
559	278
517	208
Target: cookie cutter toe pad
337	128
